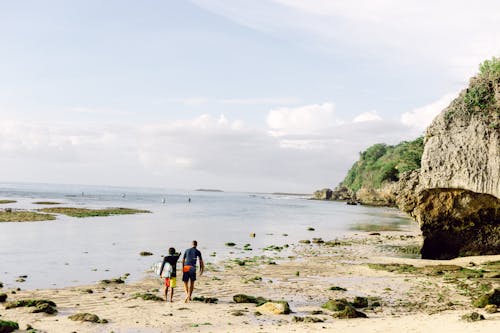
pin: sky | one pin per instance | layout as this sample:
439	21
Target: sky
267	95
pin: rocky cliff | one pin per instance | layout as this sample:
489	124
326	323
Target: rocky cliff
456	194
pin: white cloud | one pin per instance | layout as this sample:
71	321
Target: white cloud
302	119
367	116
300	149
421	117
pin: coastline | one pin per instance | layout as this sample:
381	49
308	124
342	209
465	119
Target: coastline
418	300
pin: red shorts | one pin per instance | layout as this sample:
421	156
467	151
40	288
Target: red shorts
171	282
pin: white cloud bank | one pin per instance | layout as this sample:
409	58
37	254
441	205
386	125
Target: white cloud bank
300	149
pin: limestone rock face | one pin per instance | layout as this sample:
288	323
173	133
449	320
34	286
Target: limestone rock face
455	196
462	155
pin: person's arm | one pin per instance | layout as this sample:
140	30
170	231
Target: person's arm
202	264
183	260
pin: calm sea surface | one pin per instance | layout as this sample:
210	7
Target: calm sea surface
75	251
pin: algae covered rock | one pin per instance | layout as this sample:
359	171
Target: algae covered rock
349	312
8	326
3	297
491	308
360	302
40	305
493	297
88	317
242	298
274	308
335	304
473	316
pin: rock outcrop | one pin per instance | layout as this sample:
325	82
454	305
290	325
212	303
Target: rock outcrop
456	194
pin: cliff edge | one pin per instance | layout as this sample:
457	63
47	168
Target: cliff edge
456	194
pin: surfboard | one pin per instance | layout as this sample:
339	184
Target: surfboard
167	270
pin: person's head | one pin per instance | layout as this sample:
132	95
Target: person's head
195	243
171	251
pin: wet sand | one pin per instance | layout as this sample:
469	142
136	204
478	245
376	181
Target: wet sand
413	301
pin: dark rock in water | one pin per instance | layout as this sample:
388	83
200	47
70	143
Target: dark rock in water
305	241
3	297
349	312
113	281
1	285
493	297
88	317
351	203
473	316
8	326
230	244
146	253
374	234
360	302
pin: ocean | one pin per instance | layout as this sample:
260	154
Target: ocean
76	251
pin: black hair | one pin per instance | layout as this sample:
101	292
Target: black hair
171	251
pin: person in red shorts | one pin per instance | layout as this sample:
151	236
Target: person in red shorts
170	272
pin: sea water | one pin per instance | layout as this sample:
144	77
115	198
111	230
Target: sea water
77	251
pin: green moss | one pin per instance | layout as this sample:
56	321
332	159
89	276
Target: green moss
8	326
40	305
147	297
87	212
398	268
46	203
24	216
6	201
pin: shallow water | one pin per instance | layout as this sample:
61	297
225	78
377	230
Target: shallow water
73	251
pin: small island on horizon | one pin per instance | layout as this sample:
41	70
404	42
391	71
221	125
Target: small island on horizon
208	190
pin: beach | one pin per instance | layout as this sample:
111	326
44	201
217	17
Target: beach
413	295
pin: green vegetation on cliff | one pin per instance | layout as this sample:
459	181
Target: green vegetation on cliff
381	162
480	97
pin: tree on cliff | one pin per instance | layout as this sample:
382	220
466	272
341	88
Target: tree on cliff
384	163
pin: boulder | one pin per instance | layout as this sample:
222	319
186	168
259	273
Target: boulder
3	297
349	312
324	194
274	308
242	298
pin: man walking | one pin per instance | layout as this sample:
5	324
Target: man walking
189	269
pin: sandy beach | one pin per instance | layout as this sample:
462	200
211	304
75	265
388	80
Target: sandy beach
423	297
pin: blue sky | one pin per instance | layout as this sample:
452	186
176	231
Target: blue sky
242	95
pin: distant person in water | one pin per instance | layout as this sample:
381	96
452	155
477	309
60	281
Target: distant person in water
189	269
171	273
189	200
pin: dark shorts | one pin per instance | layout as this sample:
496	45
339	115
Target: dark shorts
189	275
